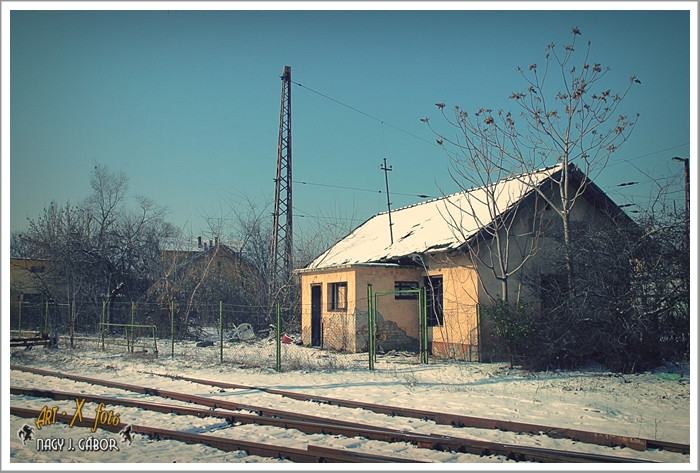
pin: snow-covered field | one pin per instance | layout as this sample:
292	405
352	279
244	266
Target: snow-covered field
657	405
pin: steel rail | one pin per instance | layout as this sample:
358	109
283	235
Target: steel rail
326	426
608	440
458	420
312	454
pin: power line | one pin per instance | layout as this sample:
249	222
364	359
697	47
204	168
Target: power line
638	183
383	122
303	214
422	196
628	160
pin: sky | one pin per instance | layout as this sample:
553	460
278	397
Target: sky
184	98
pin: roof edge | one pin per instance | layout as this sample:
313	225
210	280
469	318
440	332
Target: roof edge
341	267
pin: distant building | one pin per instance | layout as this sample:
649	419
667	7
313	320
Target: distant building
27	292
196	273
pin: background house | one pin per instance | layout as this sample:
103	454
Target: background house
446	245
27	293
198	276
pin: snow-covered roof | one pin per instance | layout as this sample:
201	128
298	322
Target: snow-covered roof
435	225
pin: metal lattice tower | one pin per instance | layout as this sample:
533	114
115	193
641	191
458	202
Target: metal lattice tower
282	261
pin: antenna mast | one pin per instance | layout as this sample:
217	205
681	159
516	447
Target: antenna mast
282	261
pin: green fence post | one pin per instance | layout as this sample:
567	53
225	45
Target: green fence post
102	326
19	315
46	315
172	329
221	331
72	324
424	325
370	326
43	317
133	313
478	332
278	338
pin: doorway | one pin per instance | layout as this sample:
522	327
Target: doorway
433	285
316	315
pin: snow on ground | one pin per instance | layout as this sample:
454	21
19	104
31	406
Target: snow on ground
653	405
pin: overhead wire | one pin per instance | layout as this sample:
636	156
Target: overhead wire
629	160
422	196
432	143
383	122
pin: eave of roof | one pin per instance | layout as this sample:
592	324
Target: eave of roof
356	266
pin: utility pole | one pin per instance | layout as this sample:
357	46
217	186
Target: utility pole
388	200
282	258
686	164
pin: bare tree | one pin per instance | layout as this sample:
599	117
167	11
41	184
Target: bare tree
19	247
509	236
567	116
566	119
96	247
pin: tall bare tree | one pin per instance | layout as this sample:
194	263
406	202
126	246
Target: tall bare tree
567	116
98	248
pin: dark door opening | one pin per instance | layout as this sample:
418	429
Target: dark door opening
316	315
433	286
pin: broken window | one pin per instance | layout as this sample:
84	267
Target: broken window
405	286
338	296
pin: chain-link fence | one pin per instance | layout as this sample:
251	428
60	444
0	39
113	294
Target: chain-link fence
394	329
398	324
220	333
157	330
29	316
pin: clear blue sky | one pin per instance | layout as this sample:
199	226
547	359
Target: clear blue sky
186	103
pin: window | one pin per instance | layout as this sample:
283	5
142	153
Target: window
433	285
338	296
405	286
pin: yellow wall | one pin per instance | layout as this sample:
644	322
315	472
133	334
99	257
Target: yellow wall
457	336
336	326
347	330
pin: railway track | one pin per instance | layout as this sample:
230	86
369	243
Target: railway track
597	438
312	454
230	411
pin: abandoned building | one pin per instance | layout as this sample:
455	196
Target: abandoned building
450	246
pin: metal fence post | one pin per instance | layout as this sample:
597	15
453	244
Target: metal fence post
44	313
371	332
72	324
221	331
19	315
423	299
172	329
133	314
278	339
102	327
43	316
155	341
